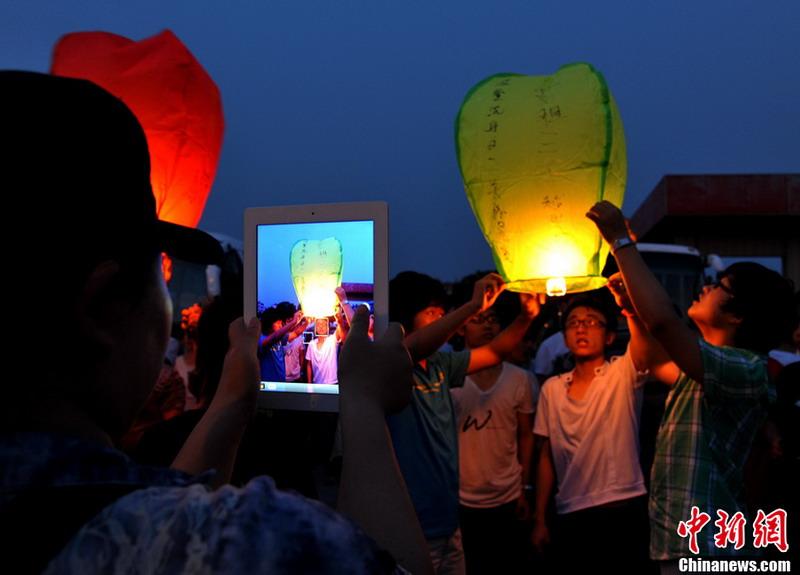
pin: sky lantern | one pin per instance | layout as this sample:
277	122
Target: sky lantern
175	100
536	152
316	267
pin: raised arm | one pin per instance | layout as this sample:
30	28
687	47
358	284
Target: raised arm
652	304
278	334
423	342
301	323
342	326
214	442
374	380
345	305
646	352
501	346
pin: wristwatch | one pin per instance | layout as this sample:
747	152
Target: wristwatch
620	243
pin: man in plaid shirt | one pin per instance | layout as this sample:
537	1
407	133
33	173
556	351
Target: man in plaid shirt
719	387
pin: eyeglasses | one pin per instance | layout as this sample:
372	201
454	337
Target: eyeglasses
483	318
718	284
588	322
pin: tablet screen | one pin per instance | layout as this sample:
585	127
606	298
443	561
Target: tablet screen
308	274
310	267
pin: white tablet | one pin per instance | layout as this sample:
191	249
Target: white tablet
295	258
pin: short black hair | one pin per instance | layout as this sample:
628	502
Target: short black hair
286	310
410	293
763	300
595	303
268	317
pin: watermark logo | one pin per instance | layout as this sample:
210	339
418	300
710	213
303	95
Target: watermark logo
692	527
768	529
730	530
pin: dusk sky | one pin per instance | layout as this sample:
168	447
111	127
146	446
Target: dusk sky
355	101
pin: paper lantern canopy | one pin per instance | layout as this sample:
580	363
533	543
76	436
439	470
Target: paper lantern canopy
175	101
536	152
316	267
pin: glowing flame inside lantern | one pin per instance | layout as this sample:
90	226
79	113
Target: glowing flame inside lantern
319	300
316	267
556	258
553	259
556	286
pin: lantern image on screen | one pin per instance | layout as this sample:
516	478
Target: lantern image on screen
316	267
173	97
536	152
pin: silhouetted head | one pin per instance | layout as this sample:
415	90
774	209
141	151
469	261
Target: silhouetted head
76	173
756	303
416	300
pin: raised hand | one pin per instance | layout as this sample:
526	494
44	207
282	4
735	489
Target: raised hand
609	220
377	372
486	291
617	287
531	304
240	371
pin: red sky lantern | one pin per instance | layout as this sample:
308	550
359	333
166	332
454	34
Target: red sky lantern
175	100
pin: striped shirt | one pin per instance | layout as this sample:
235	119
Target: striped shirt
702	444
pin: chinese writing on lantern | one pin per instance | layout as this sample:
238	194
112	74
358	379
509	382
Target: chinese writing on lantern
768	529
492	131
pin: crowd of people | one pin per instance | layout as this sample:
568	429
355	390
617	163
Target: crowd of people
286	356
461	453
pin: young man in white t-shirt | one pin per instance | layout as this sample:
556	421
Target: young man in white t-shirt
321	355
589	421
495	410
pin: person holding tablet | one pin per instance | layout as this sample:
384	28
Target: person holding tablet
73	502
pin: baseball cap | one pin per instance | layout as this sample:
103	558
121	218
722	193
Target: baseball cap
76	169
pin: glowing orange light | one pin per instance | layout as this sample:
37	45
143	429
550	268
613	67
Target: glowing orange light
166	267
556	286
175	100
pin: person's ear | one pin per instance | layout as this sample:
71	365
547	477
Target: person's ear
734	320
100	308
610	337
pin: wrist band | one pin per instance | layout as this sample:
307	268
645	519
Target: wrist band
620	243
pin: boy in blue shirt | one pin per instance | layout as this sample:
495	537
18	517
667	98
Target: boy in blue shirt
424	433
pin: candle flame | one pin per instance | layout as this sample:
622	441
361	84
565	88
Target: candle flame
556	286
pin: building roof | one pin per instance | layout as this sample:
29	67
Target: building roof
679	199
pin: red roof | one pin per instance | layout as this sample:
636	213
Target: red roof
719	195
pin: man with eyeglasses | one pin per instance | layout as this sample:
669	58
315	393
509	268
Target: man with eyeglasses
719	387
588	419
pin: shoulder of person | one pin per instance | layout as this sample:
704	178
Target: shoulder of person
248	529
449	358
551	384
732	354
516	372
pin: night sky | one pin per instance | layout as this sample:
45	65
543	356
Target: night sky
351	101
